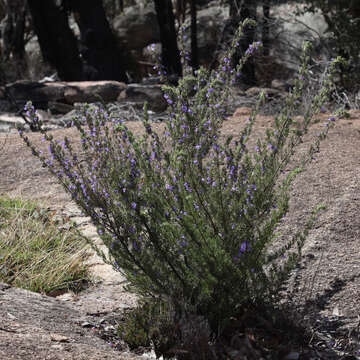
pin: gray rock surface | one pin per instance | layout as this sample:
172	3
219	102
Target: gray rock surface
35	326
137	27
91	91
41	94
137	94
288	33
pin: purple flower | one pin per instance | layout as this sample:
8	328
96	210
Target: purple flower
187	187
169	187
244	247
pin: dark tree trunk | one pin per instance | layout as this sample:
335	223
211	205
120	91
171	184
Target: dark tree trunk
194	43
239	11
14	30
180	11
266	28
98	44
121	5
170	56
57	42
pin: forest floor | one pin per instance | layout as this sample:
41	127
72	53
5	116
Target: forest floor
325	287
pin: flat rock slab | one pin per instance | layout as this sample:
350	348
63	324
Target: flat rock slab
62	92
35	326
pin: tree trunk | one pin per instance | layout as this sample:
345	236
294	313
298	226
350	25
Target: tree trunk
194	43
121	5
266	28
98	44
57	42
170	56
239	11
14	29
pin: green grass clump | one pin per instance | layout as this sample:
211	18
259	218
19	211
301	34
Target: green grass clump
35	254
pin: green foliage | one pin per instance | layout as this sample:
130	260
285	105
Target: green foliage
343	19
149	322
188	217
155	323
34	254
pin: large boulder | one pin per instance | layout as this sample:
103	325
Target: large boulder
137	94
137	27
210	25
288	34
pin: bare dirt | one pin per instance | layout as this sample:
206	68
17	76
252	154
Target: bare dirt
326	285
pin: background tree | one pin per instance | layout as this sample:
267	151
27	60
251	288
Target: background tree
194	43
13	35
57	42
13	31
170	56
98	46
266	27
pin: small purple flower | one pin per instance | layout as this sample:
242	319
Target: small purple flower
187	187
245	246
169	187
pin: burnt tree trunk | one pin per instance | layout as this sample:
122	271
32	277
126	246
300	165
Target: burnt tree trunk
266	28
170	56
13	35
194	43
57	42
13	31
98	44
121	5
239	11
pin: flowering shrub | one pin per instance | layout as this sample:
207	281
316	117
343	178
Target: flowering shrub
186	216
